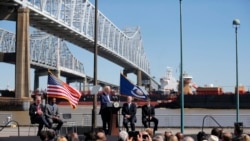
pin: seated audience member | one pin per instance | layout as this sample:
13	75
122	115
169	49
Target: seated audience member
167	135
157	138
101	136
51	134
146	135
227	136
213	138
188	138
61	138
47	135
129	114
244	137
52	114
72	137
139	137
148	115
180	136
201	136
150	132
217	132
43	135
123	136
36	113
90	136
173	138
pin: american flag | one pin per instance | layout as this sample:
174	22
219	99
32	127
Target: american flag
59	89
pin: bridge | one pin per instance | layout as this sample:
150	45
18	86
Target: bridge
47	52
72	21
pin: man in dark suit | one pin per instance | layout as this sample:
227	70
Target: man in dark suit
52	114
37	114
104	111
129	114
148	115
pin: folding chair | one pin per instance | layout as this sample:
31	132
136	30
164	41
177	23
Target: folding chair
33	125
67	123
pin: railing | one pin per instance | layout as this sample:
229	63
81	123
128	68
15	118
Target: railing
165	120
211	117
6	121
5	118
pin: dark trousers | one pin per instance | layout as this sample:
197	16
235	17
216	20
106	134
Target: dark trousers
41	120
58	121
106	115
146	122
132	121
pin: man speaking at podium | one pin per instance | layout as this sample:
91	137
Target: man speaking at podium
104	110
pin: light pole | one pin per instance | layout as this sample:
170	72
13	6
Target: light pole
95	66
236	24
181	75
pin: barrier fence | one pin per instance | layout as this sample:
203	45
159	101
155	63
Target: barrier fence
81	123
165	120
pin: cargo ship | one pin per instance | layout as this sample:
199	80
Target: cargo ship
168	96
211	98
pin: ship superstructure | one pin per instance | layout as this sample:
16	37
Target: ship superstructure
168	82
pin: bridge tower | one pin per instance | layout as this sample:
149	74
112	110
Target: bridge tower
135	71
22	68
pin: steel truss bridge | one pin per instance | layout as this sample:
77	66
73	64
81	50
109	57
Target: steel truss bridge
74	21
46	51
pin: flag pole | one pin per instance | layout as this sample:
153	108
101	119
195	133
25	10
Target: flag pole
95	66
49	72
181	73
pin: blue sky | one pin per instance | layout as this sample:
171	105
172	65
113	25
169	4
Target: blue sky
208	40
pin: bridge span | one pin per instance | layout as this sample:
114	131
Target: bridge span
73	21
48	52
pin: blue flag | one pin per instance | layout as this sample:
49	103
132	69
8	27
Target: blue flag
129	89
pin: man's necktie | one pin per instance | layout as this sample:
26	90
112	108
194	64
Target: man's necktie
38	107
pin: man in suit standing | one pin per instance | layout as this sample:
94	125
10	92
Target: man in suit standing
37	114
52	114
148	115
129	114
104	111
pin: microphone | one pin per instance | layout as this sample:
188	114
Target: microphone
115	98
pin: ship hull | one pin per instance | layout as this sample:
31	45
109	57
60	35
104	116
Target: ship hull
209	101
224	101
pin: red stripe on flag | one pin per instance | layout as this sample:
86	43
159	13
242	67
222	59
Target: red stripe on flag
60	89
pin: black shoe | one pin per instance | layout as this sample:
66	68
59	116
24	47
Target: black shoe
56	132
48	126
38	133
